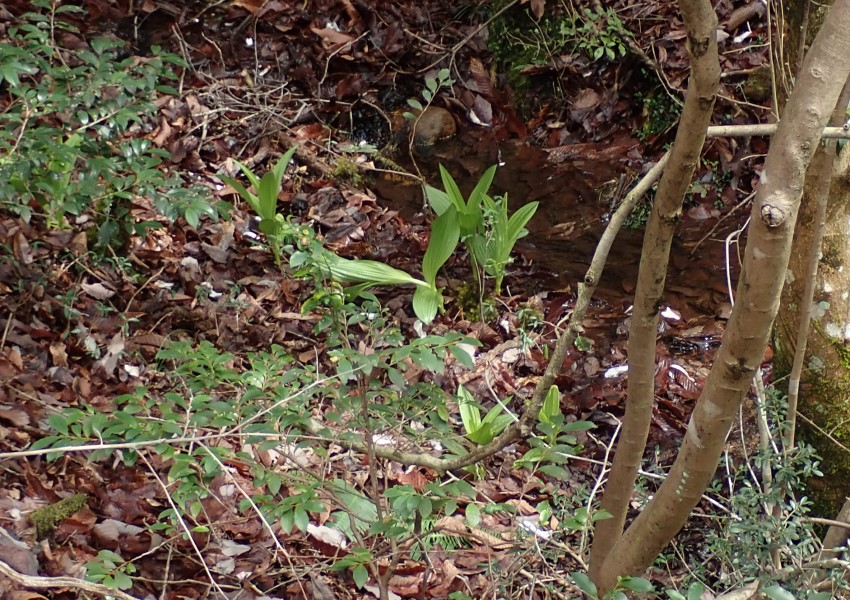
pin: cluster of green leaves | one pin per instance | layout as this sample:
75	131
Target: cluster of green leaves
518	40
481	430
746	541
263	200
308	256
68	139
111	570
635	585
270	396
372	358
482	223
555	443
660	112
598	33
432	86
208	393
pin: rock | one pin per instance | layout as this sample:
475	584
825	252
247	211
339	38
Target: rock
434	125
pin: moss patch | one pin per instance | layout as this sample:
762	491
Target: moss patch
48	518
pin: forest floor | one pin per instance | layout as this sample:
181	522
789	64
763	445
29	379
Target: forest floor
86	329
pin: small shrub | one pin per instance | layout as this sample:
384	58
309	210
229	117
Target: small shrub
68	136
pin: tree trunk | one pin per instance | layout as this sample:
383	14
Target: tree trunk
825	383
701	23
824	386
824	71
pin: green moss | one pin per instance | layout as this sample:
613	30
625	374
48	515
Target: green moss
832	252
825	399
347	170
639	216
47	518
469	301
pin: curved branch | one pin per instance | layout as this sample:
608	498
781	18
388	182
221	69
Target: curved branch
49	583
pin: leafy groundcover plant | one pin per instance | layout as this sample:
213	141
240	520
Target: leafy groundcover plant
69	139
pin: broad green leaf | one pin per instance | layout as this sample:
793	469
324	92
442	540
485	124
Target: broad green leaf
255	181
475	198
372	272
583	344
359	505
777	592
243	191
427	302
471	221
452	190
601	515
555	471
499	423
122	581
494	417
414	103
280	167
426	507
579	426
182	467
470	415
360	574
482	435
301	518
477	246
445	234
637	584
473	515
533	455
438	200
518	221
695	592
551	406
584	583
674	595
268	193
464	355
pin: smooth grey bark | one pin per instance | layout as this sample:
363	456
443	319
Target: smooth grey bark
824	71
701	24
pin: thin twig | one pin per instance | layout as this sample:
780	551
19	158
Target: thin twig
258	512
48	583
179	516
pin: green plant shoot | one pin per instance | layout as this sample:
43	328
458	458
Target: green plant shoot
481	430
263	200
493	249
